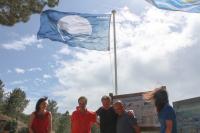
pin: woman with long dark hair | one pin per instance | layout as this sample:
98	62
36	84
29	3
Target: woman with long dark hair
166	113
41	119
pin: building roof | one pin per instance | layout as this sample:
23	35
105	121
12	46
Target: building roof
187	101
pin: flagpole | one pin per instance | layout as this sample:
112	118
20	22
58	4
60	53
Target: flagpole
115	51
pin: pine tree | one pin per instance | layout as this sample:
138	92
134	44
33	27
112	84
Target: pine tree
14	11
16	102
1	96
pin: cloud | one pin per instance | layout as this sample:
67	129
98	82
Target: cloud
147	49
64	50
21	44
46	76
22	71
40	46
34	69
88	74
68	97
154	34
156	48
19	82
39	81
19	71
9	71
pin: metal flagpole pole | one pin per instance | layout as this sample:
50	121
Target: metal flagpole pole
115	52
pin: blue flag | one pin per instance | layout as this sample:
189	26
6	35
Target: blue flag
192	6
75	29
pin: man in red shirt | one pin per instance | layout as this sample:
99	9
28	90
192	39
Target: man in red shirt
82	119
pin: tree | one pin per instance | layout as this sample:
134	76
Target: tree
11	126
1	90
14	11
24	117
52	107
1	95
64	125
16	102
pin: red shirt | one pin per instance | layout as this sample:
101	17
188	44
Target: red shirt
40	124
82	122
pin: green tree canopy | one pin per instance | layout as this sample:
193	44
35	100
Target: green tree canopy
16	102
52	107
64	124
1	95
1	91
14	11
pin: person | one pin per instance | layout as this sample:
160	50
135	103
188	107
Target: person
125	122
82	119
107	115
40	119
166	113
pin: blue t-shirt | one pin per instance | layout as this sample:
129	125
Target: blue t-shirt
167	113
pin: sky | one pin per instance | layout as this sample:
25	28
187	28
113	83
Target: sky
154	48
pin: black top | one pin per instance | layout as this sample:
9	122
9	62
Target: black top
108	120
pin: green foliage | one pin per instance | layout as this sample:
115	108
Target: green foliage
23	130
1	90
11	126
23	117
64	125
1	96
16	102
52	107
14	11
